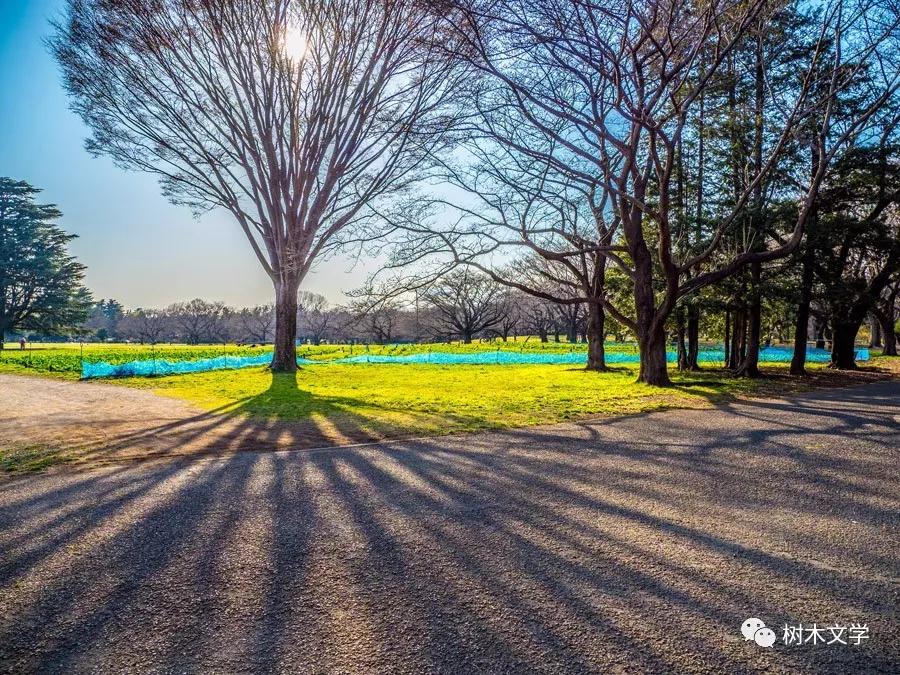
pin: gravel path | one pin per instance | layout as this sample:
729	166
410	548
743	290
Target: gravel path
625	545
101	423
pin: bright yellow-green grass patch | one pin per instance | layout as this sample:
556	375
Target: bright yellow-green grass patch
425	398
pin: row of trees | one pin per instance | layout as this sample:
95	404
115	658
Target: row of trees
658	157
462	306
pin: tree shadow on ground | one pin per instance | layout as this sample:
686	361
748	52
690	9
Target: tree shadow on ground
635	544
284	416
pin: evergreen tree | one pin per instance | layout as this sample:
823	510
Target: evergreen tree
40	282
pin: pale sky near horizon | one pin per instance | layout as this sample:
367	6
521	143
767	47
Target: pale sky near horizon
138	248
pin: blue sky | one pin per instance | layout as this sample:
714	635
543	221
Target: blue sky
138	248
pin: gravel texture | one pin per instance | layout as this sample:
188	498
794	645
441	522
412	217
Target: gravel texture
635	544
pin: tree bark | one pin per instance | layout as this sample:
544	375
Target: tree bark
843	345
652	345
596	328
749	366
284	360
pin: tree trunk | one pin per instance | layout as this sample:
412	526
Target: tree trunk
801	328
843	345
820	335
875	332
749	366
738	329
596	321
652	345
693	337
284	360
650	324
681	332
889	340
727	345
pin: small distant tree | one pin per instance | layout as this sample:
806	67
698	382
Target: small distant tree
146	325
41	285
104	317
313	316
257	323
466	303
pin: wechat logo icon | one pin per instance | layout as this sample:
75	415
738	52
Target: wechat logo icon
755	629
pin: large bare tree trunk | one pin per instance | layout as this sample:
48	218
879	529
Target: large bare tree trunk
596	328
284	360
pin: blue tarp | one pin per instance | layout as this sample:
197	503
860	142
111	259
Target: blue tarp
162	367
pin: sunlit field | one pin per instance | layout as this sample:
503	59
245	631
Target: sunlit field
344	401
64	359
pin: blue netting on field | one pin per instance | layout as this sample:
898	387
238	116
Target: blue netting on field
162	367
153	367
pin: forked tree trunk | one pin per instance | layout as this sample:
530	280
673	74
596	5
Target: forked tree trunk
843	345
284	360
596	327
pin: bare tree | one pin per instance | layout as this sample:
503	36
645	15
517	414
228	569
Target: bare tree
314	316
466	302
377	321
200	321
257	323
296	116
146	325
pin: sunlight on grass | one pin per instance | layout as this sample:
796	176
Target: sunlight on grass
439	399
